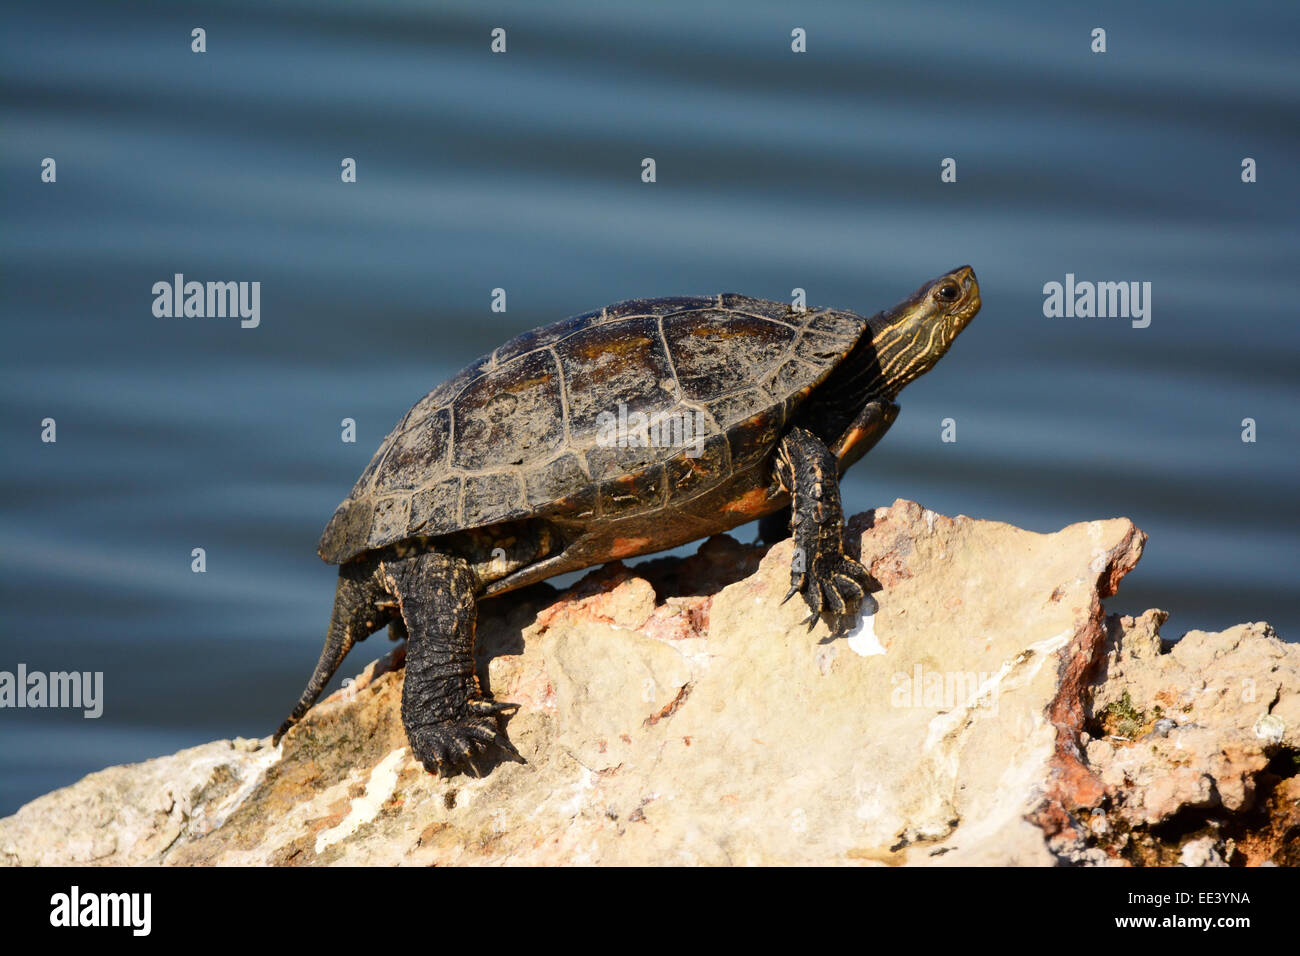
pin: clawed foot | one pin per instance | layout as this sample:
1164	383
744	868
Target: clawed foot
450	745
831	582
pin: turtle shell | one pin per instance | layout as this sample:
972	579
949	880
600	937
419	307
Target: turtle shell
526	431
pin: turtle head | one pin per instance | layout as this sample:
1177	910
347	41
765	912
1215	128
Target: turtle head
913	335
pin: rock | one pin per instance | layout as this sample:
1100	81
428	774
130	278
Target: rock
677	712
1201	852
135	813
1201	734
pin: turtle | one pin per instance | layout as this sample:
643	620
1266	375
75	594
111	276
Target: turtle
613	434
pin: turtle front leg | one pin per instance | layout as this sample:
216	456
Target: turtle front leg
867	429
448	720
829	579
860	437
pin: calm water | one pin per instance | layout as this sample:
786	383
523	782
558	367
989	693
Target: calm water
522	171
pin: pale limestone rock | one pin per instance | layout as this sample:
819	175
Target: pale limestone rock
133	813
1205	717
1201	852
678	713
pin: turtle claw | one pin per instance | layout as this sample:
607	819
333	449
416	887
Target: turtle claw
490	707
509	748
450	745
813	596
834	583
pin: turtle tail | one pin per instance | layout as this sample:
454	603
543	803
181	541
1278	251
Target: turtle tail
357	614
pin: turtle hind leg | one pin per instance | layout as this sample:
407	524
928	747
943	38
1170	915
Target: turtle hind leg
829	579
448	720
361	607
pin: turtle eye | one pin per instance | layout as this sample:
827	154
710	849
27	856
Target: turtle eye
948	292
